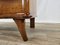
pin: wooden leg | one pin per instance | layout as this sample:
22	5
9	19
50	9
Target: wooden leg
32	23
21	26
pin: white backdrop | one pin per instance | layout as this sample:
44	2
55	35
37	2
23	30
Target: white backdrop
48	11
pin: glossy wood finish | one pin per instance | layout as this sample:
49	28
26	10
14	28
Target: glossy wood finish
14	7
19	11
10	6
21	26
26	5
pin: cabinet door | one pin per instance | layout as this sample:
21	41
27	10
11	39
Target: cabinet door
10	6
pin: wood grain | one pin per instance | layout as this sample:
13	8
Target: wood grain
21	27
17	10
14	6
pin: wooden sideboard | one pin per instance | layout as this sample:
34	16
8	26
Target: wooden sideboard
19	11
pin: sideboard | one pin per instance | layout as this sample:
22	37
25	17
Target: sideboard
19	10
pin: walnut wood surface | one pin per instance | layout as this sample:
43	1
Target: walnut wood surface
14	6
18	11
21	27
10	6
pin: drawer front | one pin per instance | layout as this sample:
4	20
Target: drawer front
10	6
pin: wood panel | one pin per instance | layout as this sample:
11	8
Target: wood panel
10	6
26	5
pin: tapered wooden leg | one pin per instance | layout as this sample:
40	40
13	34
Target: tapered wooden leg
21	26
32	23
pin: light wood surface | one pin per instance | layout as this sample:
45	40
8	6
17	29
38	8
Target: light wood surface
43	34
